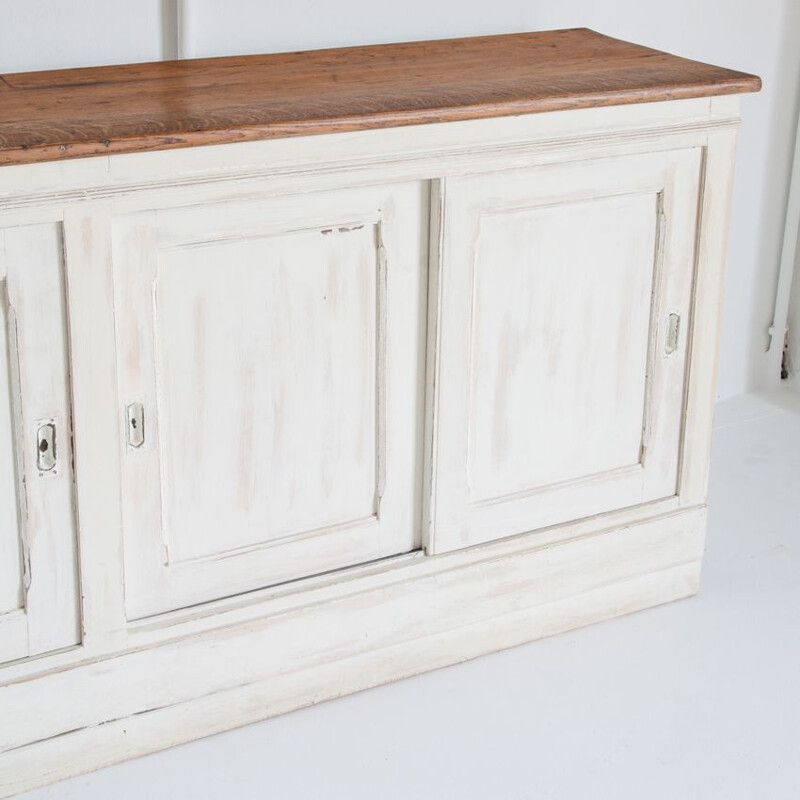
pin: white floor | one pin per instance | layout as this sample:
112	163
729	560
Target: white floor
697	700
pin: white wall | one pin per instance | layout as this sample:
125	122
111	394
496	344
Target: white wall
759	37
793	264
49	34
793	324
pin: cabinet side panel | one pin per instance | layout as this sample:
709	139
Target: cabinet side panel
712	250
36	292
11	566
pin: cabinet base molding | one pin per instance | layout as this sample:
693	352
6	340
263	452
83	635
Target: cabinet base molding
202	685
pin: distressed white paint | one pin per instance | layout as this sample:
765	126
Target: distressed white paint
83	193
712	249
38	601
267	365
560	303
562	398
201	283
261	339
377	619
11	565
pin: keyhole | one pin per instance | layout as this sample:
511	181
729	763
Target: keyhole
43	446
135	415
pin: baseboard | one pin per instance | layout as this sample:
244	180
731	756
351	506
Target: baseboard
452	616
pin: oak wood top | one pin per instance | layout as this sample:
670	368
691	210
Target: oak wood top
59	114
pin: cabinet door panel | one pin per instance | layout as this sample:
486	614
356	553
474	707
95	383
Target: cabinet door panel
261	339
38	571
268	379
542	319
561	363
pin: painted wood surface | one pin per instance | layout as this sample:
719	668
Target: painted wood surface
39	597
270	167
86	195
69	113
712	250
562	382
206	225
589	578
13	621
274	347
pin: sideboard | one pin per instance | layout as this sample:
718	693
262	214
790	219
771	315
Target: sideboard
319	370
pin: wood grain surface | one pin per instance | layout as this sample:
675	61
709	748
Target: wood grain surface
46	116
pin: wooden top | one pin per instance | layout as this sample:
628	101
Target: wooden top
46	116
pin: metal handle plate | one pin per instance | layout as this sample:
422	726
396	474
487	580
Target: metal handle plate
135	415
46	447
673	333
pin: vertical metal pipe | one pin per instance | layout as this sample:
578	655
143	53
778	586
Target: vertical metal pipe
789	257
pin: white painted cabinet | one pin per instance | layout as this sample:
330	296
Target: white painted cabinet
565	315
38	569
270	366
282	420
